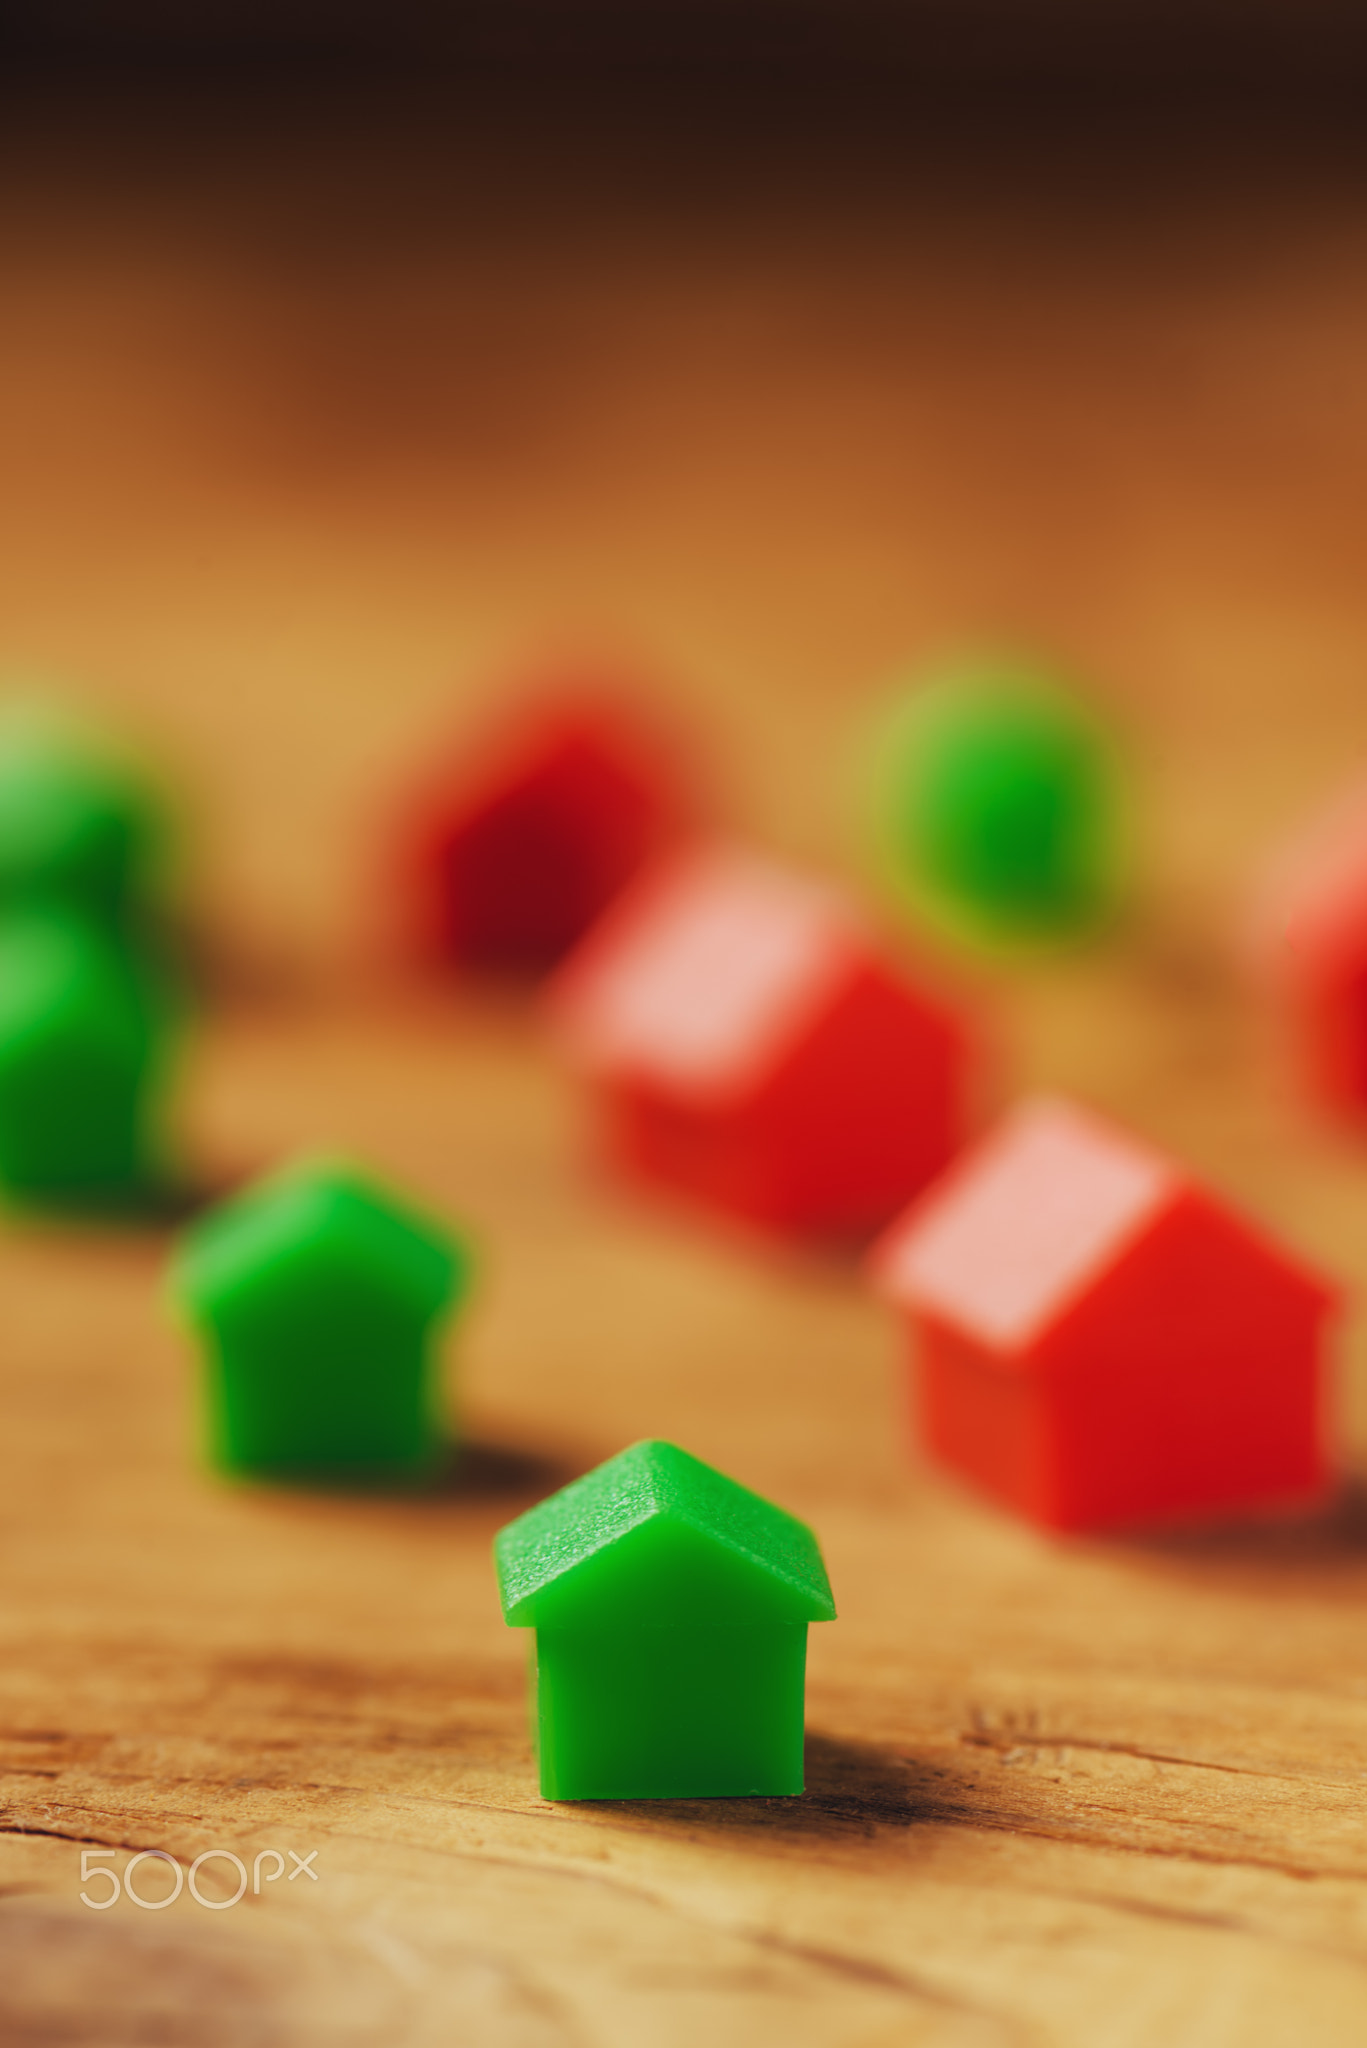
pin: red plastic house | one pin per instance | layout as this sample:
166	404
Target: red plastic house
1099	1341
1310	940
516	844
752	1046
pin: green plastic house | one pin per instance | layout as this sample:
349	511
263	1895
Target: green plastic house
79	829
317	1299
85	1031
671	1609
998	805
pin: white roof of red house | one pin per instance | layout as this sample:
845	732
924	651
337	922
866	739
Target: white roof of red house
1310	907
705	971
1019	1228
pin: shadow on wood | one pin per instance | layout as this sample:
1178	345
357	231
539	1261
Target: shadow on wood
1288	1550
476	1470
853	1789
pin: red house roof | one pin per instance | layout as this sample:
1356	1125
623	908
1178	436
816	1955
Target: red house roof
705	972
1019	1230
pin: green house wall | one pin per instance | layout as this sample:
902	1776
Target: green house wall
331	1402
686	1712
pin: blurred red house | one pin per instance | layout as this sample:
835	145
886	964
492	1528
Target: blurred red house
515	842
1309	933
752	1045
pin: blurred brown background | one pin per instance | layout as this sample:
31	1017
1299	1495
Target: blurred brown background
338	369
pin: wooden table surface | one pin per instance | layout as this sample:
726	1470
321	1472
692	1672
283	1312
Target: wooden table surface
294	454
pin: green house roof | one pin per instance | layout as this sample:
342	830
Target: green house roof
999	804
318	1229
655	1537
78	825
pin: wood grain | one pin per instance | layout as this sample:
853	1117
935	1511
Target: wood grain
277	491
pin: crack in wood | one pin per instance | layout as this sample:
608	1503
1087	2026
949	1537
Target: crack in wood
1173	1852
1005	1745
862	1971
20	1830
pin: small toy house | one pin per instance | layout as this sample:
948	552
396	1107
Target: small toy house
752	1045
85	1026
1098	1340
317	1298
80	830
1308	930
512	848
671	1609
997	805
